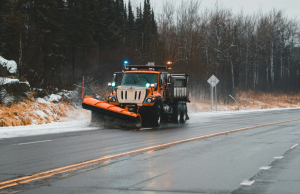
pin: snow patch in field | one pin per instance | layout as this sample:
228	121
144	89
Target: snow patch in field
67	94
41	113
11	65
42	100
53	98
59	96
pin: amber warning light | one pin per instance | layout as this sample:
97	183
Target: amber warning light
169	62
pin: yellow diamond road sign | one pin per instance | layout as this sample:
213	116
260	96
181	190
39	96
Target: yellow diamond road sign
213	81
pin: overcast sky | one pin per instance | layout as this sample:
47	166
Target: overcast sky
291	7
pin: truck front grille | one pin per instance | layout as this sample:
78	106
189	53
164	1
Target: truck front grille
131	96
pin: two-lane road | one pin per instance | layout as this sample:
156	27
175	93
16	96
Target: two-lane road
115	161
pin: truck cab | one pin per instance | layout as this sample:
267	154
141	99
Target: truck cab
152	92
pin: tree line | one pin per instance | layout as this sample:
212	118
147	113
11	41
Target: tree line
258	52
56	42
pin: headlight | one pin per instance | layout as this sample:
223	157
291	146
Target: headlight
149	99
112	99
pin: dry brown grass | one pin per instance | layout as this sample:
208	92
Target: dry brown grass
31	112
262	100
249	100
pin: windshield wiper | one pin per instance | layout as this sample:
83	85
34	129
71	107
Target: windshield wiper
133	79
146	79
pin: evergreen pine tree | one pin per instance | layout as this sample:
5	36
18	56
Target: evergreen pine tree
146	26
4	10
139	33
85	32
11	30
131	25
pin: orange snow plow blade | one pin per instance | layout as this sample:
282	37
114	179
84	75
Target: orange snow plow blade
125	118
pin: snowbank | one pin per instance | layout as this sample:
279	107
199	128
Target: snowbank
9	64
37	112
5	80
81	124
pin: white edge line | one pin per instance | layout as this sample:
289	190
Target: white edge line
294	146
278	157
247	182
141	129
32	142
265	167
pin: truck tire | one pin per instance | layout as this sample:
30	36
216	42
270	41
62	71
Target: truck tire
183	114
176	114
157	116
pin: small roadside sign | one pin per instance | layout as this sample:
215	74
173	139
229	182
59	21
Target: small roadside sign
213	81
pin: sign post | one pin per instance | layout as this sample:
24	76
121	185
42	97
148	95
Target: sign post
212	97
213	81
216	97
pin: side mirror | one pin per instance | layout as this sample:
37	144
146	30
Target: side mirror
115	77
154	85
111	84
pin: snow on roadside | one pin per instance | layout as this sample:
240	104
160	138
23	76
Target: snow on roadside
201	117
51	128
81	122
49	115
51	108
40	111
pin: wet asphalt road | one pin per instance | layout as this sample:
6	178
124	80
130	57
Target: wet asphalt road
214	165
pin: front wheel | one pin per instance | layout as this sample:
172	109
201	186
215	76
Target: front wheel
156	121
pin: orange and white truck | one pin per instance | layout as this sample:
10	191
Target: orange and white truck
143	95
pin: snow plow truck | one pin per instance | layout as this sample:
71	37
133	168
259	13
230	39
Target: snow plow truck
142	95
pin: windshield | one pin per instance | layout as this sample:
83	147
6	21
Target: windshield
140	79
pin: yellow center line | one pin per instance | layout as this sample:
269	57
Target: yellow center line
53	172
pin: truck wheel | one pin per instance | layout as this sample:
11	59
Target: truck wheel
157	116
183	114
176	116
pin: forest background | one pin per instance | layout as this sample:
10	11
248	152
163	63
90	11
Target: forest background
56	42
